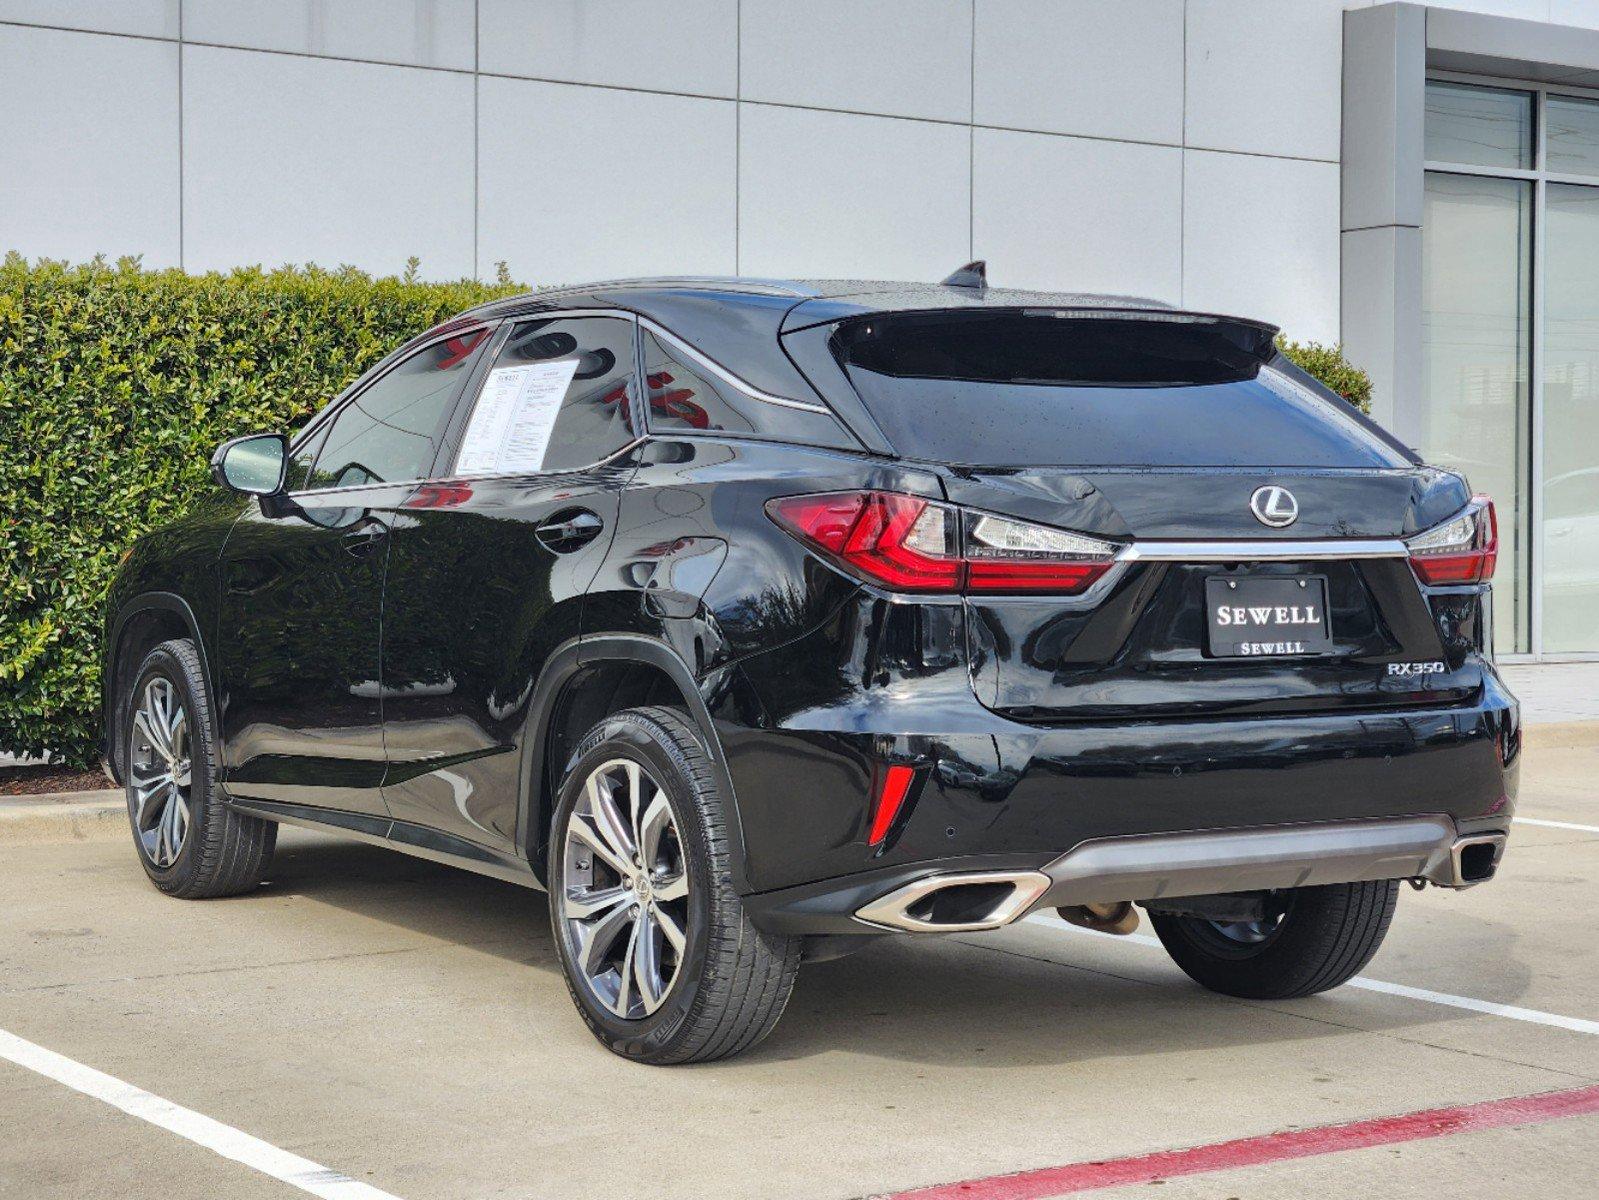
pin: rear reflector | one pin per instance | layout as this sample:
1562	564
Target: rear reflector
890	799
1464	549
909	544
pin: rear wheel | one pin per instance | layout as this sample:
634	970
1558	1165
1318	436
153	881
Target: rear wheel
1310	940
658	952
190	843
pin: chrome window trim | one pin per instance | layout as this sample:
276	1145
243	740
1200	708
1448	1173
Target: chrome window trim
705	362
356	487
1263	551
452	478
697	356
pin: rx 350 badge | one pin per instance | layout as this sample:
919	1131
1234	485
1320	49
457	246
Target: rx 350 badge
1417	668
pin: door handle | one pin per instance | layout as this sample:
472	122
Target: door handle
569	530
367	534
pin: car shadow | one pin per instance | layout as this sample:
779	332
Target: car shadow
500	918
998	1000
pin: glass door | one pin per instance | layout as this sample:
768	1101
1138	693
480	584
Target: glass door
1510	295
1570	510
1476	287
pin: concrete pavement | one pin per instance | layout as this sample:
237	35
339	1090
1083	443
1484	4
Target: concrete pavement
1551	692
405	1024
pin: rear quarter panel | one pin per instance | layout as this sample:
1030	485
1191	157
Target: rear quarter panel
698	564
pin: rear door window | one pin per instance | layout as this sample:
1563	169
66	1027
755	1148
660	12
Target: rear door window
1033	388
558	396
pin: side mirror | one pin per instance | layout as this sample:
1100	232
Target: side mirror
254	465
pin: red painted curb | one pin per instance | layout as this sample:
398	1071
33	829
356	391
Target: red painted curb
1267	1148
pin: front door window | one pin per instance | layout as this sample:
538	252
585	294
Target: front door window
389	433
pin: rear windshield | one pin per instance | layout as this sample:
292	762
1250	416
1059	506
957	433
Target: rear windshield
1037	388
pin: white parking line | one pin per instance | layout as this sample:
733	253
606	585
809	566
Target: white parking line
1469	1003
1575	1024
1556	824
225	1140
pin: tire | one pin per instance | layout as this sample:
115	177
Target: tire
1322	939
723	990
218	852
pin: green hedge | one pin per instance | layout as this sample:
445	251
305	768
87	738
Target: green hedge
116	383
1328	364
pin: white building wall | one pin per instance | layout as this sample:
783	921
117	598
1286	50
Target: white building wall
1186	149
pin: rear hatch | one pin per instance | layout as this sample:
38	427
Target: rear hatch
1258	518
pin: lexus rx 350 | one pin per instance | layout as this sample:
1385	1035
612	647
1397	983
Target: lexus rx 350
756	620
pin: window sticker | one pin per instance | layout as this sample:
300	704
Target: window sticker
515	414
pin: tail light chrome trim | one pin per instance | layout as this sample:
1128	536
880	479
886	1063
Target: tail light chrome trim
981	569
1263	551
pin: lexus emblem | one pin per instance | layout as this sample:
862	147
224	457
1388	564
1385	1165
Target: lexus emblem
1274	506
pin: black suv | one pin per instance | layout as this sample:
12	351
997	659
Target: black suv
754	620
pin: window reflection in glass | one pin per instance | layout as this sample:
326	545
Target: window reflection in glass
1572	146
1476	334
595	418
390	431
682	397
1570	514
304	456
1485	127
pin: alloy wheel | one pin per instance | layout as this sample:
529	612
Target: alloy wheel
1247	933
623	900
1242	939
160	772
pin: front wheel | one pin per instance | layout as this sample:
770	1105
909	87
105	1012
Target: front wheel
1310	940
190	843
658	952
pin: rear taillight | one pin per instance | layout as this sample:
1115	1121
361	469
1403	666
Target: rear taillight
1014	556
909	544
1463	549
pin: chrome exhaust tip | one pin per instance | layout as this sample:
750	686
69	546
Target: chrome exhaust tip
1475	859
960	903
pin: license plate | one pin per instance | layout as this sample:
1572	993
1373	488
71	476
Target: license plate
1267	617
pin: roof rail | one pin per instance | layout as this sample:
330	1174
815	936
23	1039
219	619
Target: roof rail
726	283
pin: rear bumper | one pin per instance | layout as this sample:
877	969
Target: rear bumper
955	897
1128	810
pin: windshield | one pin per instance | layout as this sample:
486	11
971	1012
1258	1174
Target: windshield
1037	388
